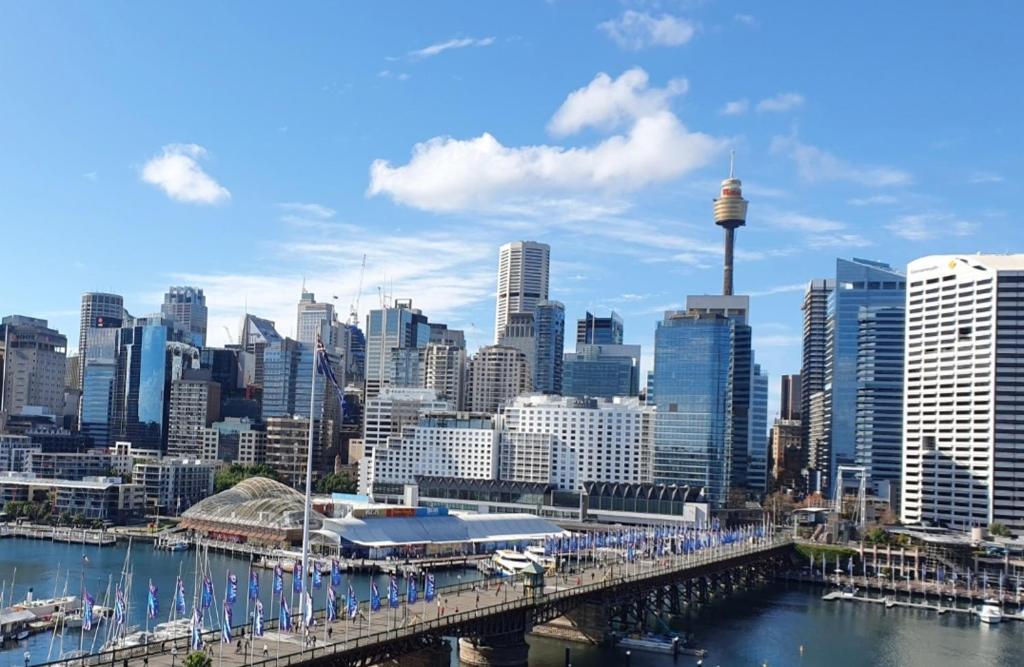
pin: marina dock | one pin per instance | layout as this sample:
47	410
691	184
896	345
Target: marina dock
890	602
53	534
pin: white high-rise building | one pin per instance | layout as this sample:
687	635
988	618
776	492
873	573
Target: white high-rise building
443	444
523	268
568	441
963	399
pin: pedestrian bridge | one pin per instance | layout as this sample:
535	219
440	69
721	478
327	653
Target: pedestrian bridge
491	623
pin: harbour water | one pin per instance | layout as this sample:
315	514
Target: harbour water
749	629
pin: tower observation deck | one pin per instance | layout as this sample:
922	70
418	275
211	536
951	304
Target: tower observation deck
730	213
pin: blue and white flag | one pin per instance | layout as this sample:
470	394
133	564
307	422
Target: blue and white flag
430	590
393	592
152	603
318	579
323	365
374	597
258	626
225	628
87	606
297	577
335	573
286	615
197	630
207	597
278	580
310	619
179	598
232	592
410	593
118	608
254	585
353	603
332	605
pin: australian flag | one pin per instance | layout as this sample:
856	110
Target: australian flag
323	365
225	630
197	630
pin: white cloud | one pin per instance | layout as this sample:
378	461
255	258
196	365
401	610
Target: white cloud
311	210
735	108
815	165
781	102
449	174
872	200
925	226
745	19
637	30
980	177
176	171
441	47
388	74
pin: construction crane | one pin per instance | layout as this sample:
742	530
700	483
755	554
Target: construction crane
353	313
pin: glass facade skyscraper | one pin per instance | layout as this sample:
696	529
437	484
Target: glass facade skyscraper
595	330
880	356
860	284
550	331
602	371
388	328
98	370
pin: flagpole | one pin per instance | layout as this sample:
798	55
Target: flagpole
309	464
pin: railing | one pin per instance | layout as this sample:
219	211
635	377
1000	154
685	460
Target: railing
672	564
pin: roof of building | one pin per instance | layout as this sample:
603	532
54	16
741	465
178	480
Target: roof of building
256	501
470	528
16	616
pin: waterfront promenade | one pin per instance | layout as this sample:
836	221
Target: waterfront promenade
460	610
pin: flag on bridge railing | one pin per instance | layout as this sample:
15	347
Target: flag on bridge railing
232	592
278	580
285	621
429	589
393	592
353	603
318	577
297	577
197	629
254	585
152	603
258	623
410	594
179	598
87	606
118	608
335	573
332	605
310	619
225	628
207	598
374	597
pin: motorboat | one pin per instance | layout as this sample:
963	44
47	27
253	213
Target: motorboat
510	562
990	612
653	643
47	607
848	592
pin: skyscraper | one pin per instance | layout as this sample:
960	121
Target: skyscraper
757	449
523	268
521	333
34	365
602	371
730	214
550	328
194	404
860	285
789	404
314	319
99	368
387	328
812	368
963	444
595	330
186	307
497	374
101	310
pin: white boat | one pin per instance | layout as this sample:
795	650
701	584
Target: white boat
849	592
47	607
536	554
509	561
990	612
652	643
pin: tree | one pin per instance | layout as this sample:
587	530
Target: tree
236	472
197	659
998	529
336	483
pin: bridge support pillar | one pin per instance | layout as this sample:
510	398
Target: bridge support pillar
505	650
432	656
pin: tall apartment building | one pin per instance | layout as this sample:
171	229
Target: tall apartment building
497	374
186	307
567	442
34	365
523	273
549	318
99	310
439	444
287	449
593	330
812	368
787	458
963	443
789	397
173	485
444	371
194	405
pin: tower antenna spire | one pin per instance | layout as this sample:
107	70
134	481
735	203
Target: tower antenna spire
732	161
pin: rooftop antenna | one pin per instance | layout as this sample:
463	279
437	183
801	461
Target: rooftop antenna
732	161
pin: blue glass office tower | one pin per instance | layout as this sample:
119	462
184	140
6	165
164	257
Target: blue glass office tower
697	390
594	330
401	326
550	332
757	470
880	356
98	371
860	284
602	371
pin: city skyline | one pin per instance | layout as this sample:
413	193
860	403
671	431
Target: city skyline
243	186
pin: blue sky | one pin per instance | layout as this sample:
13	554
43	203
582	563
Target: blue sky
244	147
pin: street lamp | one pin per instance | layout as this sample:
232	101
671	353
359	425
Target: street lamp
28	657
174	654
